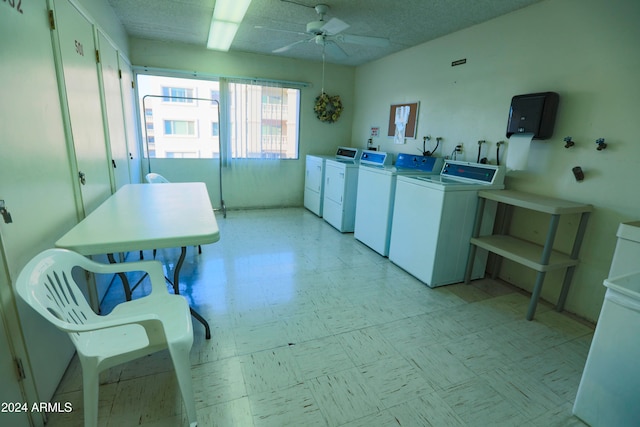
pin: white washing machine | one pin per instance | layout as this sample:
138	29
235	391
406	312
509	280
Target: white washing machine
314	176
376	195
340	191
610	383
433	221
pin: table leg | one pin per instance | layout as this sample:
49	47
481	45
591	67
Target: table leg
176	290
123	277
475	233
544	260
568	275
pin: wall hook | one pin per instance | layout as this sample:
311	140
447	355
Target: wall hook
568	142
601	144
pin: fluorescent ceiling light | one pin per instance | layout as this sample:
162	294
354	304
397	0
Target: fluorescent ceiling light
221	35
227	16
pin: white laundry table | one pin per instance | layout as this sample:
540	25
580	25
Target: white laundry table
147	216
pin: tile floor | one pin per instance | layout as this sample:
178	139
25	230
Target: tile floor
312	328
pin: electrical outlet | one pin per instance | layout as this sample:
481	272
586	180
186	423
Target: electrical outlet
459	148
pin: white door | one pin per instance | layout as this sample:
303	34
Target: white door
334	182
334	189
130	120
313	183
114	110
77	51
35	182
13	411
10	392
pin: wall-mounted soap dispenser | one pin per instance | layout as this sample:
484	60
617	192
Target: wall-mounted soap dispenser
533	113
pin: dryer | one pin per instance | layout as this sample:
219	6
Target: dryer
340	190
433	221
376	194
315	176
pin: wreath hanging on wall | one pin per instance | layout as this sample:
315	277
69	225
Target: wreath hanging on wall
328	108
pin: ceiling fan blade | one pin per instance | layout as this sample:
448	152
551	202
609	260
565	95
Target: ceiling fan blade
363	40
289	46
334	50
260	27
334	26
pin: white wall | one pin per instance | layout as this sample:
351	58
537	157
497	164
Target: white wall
587	51
256	183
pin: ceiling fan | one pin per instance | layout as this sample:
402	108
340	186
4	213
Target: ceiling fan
329	33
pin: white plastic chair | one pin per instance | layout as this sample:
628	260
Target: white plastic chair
132	330
156	178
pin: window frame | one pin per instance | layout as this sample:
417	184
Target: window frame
224	125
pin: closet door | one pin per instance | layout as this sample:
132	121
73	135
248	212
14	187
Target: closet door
77	53
36	187
130	120
11	392
113	103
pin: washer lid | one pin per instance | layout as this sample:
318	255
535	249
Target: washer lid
629	231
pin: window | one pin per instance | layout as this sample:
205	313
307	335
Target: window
178	94
261	118
179	127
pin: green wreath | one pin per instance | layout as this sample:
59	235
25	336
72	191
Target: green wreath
328	108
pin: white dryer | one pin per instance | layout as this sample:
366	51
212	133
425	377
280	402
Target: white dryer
315	176
376	194
610	383
433	221
340	190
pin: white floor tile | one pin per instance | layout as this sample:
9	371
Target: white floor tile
312	328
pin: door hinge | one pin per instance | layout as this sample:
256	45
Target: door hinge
52	21
120	74
97	56
133	84
113	162
20	369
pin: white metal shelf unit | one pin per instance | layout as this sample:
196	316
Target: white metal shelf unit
542	258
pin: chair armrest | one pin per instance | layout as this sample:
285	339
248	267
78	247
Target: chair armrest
152	268
109	321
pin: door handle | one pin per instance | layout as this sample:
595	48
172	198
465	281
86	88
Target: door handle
82	177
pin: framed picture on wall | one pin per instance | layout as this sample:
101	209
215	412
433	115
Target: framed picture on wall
404	114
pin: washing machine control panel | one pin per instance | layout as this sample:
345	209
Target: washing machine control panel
476	172
418	163
375	158
347	153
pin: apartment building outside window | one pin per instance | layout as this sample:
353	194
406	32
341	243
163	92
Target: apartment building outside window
262	118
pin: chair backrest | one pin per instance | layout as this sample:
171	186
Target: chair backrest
156	178
46	283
